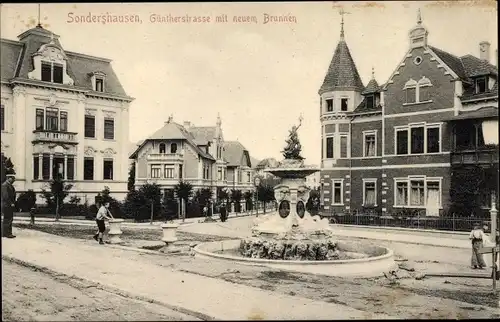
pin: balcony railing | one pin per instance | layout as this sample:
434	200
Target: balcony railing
54	136
475	156
165	156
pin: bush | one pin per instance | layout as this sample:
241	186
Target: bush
26	201
137	205
115	207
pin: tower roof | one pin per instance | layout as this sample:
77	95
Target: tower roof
372	86
342	73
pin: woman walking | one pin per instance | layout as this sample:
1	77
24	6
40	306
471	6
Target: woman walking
102	215
477	236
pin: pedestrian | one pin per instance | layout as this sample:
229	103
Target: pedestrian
8	205
102	215
205	211
477	236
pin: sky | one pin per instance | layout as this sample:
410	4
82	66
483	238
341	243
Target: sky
260	77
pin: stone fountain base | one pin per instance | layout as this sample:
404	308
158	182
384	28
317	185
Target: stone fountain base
289	249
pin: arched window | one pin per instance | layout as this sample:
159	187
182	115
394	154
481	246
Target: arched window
162	147
424	85
411	91
173	148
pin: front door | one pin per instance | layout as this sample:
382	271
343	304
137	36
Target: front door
433	199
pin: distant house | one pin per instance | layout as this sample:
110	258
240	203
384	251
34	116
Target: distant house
198	155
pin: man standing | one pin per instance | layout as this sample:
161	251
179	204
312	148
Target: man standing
8	205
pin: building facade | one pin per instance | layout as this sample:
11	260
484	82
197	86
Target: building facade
394	147
193	154
62	113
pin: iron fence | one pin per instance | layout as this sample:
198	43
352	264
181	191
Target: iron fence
433	223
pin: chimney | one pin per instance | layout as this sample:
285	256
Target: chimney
484	50
187	124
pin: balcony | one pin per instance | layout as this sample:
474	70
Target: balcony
481	156
170	157
54	136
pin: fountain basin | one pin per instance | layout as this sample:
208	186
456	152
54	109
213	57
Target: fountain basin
378	260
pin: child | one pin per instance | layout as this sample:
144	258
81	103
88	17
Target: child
102	215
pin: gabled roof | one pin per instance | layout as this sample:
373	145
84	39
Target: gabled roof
372	87
173	131
17	62
452	61
477	67
236	154
202	134
342	72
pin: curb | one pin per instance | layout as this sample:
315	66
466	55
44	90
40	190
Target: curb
411	242
402	229
107	288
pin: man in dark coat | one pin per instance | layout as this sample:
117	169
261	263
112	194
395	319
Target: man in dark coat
8	206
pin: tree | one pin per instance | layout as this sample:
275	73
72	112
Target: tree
203	198
170	205
184	191
58	191
7	167
293	147
265	194
222	195
144	202
248	196
465	187
236	196
131	177
115	207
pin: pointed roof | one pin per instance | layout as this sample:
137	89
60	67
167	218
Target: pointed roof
342	73
202	134
236	154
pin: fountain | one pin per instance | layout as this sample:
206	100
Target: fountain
292	238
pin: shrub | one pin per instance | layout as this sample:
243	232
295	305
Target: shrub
115	207
137	204
26	201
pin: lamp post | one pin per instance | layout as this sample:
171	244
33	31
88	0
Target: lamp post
256	183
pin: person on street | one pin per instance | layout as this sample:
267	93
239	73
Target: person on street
102	214
477	236
205	211
8	205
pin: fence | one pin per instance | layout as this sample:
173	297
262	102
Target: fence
437	223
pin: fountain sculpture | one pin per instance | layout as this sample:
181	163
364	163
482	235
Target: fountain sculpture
291	233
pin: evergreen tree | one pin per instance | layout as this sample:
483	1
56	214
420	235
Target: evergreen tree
7	167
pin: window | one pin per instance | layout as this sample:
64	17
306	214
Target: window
417	193
169	171
173	148
219	174
480	85
369	192
40	115
344	146
162	148
344	104
329	105
370	101
248	177
402	141
401	194
108	170
46	72
329	148
2	118
71	168
46	167
423	139
337	192
99	85
36	167
89	126
58	73
88	169
370	141
411	95
64	121
155	171
52	72
417	92
109	129
433	139
51	119
417	140
180	171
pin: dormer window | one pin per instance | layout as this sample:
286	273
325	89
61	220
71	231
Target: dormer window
99	84
370	101
480	84
52	72
344	104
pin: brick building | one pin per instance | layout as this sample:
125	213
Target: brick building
393	147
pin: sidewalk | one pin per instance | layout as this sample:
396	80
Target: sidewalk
132	273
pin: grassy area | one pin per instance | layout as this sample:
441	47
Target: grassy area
86	232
